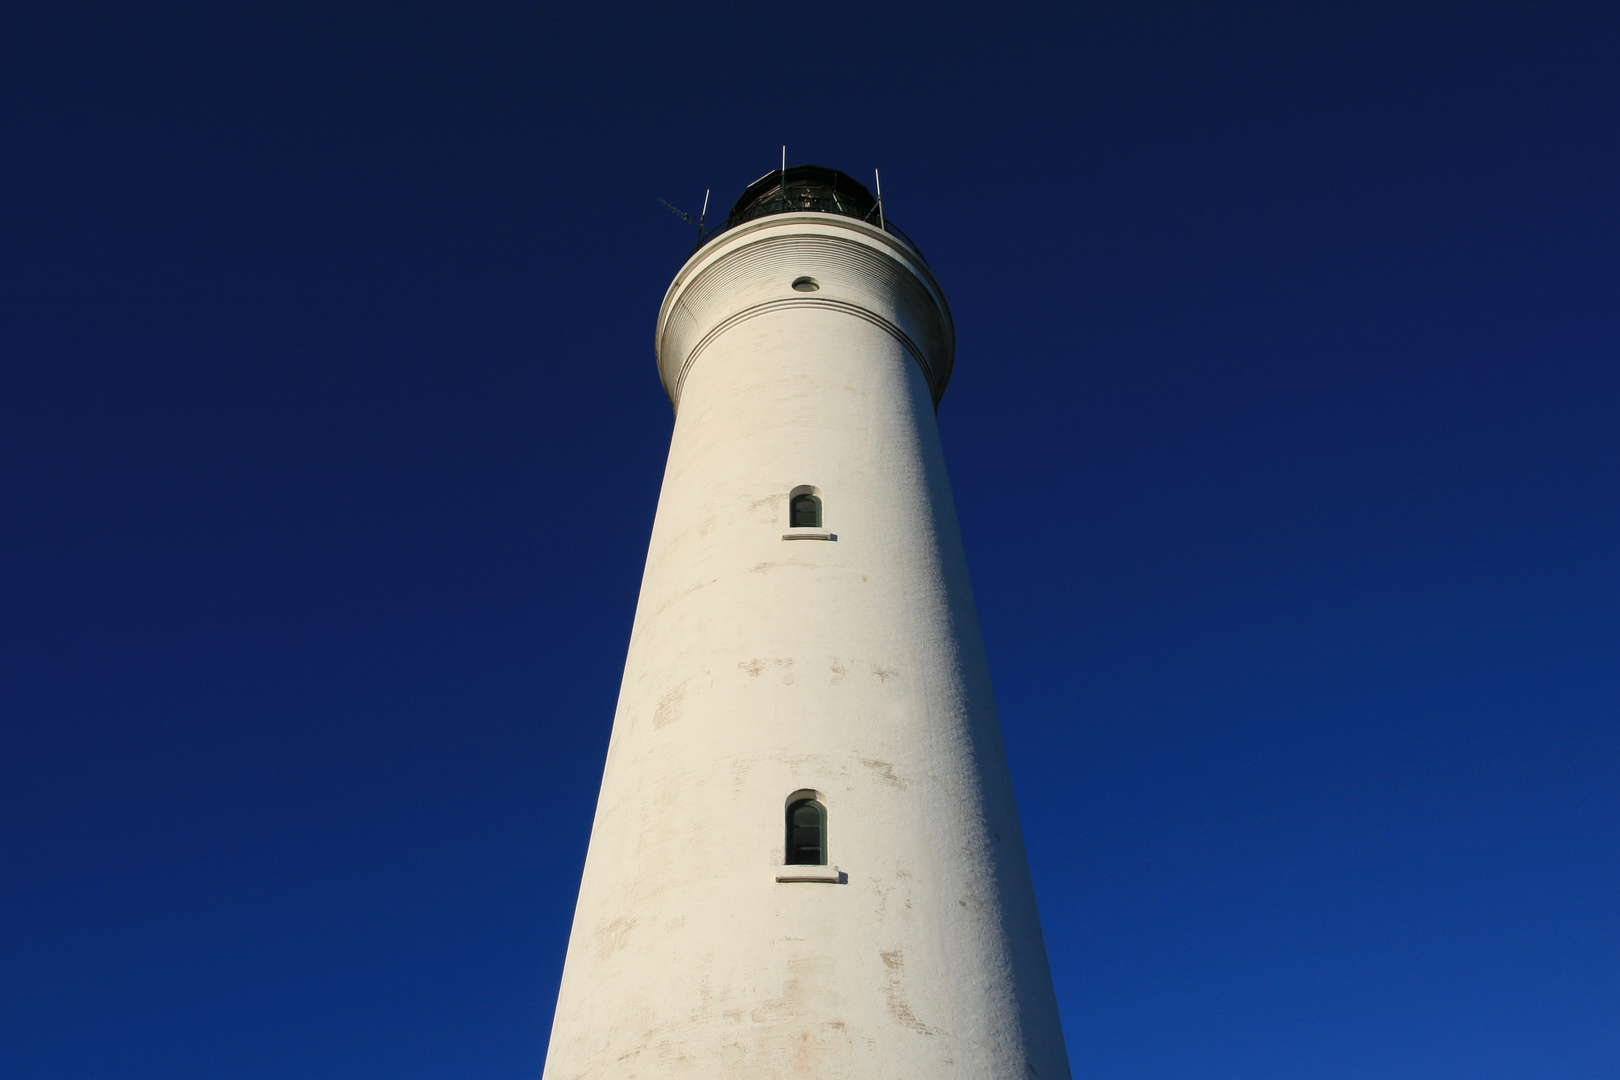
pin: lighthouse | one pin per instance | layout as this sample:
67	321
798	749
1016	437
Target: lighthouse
806	860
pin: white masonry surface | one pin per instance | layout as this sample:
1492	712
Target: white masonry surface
846	664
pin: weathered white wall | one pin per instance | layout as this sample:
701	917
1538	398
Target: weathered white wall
760	666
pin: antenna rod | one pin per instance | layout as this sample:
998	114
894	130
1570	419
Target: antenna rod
783	174
879	180
678	212
703	215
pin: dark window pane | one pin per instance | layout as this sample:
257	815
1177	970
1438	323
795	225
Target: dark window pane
806	512
806	836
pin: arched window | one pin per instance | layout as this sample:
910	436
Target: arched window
806	833
804	512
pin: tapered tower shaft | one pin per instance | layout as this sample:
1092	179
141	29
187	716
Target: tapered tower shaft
806	859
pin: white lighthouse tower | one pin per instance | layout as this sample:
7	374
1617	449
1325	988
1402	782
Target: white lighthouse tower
806	860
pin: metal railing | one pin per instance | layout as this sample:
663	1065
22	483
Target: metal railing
800	201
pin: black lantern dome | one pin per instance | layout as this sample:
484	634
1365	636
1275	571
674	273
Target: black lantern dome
805	188
800	189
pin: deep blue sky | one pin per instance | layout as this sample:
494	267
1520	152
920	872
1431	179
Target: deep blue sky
1283	434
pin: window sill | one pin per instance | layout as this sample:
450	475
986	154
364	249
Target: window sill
829	875
809	534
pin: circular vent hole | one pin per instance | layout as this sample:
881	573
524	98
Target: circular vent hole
806	284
